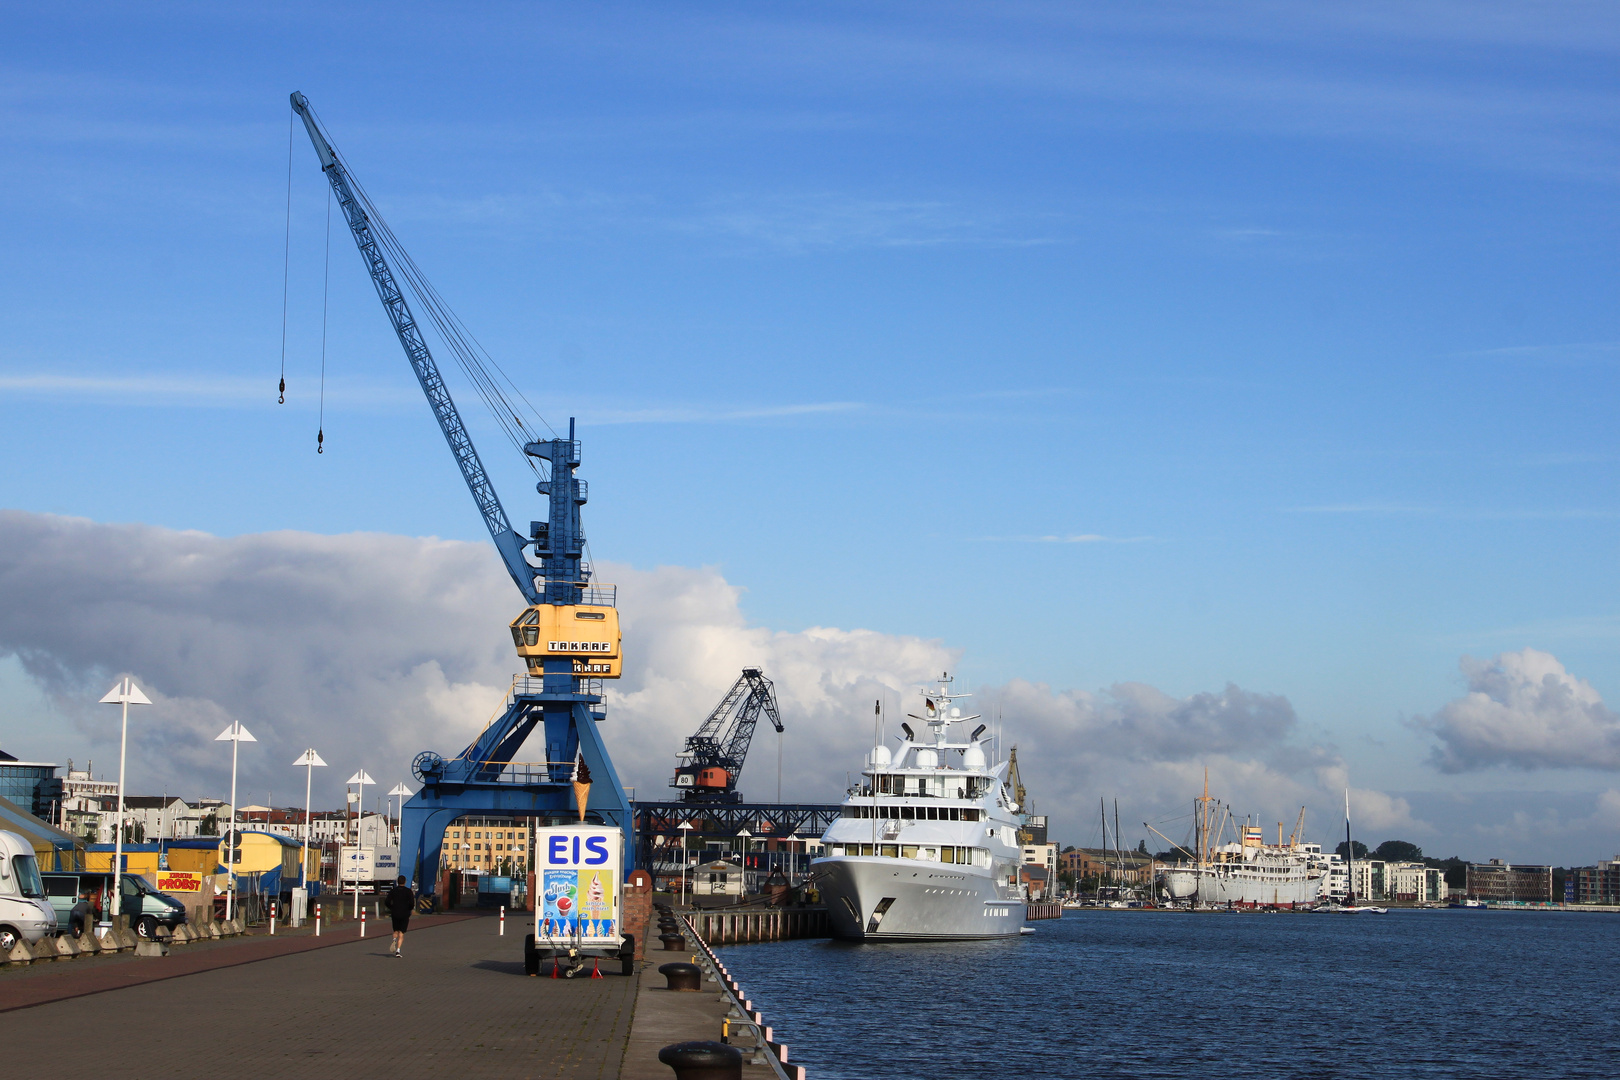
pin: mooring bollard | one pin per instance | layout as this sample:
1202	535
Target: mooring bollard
673	942
703	1061
317	920
362	922
682	976
502	931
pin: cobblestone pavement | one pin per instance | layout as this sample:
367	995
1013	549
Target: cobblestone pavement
54	980
458	1004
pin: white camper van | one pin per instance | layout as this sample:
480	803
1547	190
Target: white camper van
25	913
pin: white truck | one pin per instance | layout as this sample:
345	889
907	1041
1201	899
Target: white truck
372	868
25	911
579	901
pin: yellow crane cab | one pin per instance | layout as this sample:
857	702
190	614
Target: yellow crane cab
588	634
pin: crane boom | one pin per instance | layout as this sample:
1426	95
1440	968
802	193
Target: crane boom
507	541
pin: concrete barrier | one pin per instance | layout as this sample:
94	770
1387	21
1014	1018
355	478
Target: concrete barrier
65	947
151	947
88	943
20	953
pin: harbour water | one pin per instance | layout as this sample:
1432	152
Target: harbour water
1444	993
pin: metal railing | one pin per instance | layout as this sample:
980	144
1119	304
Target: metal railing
527	772
523	685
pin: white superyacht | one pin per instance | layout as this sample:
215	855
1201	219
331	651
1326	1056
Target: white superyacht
927	847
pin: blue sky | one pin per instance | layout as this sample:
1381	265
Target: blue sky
1180	345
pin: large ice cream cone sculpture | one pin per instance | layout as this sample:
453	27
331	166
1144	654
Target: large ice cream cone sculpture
582	787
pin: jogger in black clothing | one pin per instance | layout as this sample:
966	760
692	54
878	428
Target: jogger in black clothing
400	902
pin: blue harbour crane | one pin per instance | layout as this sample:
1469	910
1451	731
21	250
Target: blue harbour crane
568	635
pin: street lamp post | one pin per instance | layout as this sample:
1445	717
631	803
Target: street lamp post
404	793
126	693
686	831
236	735
747	838
359	780
310	761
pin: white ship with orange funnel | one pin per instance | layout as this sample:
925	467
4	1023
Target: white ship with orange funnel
1246	872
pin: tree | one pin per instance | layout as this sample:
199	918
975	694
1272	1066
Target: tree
1360	850
209	826
1398	851
1456	870
1141	845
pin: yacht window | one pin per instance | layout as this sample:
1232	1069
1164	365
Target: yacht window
933	813
930	853
836	850
891	851
908	813
947	854
908	851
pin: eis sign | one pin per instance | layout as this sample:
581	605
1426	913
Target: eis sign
580	867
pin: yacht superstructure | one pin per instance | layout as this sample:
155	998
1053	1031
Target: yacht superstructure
927	847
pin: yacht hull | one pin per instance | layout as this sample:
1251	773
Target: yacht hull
885	899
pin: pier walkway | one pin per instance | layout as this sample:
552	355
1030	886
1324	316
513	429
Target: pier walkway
457	1004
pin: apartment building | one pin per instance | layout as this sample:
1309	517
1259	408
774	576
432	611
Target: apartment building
488	846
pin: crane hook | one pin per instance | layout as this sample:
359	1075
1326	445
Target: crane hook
320	437
282	399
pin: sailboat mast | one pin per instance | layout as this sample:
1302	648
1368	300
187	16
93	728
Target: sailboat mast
1349	856
1119	852
1102	814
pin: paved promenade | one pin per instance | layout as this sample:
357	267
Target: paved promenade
458	1004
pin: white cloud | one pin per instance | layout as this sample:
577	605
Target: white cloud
374	647
1524	710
